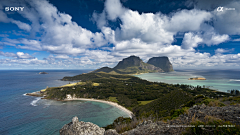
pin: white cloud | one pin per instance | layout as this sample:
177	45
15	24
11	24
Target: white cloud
22	25
114	9
19	55
191	41
236	40
208	36
22	55
100	19
187	20
63	49
8	54
221	50
148	27
62	56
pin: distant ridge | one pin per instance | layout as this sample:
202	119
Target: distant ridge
134	65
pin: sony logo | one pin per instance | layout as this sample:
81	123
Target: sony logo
14	8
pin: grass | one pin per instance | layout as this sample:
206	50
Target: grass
71	84
95	84
77	83
113	99
144	102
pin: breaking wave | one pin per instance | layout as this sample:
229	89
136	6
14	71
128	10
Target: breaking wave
238	80
34	102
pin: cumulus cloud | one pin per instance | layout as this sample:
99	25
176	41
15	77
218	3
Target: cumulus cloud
22	25
114	9
19	55
8	54
236	40
187	20
62	56
142	34
221	50
22	55
100	19
191	41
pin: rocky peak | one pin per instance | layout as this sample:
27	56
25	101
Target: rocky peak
128	62
161	62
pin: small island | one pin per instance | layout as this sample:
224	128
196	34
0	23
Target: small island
43	73
197	78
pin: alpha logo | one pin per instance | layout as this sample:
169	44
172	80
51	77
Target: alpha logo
220	9
14	8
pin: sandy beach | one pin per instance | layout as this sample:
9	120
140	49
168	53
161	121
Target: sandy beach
107	102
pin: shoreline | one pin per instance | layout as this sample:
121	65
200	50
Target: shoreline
130	114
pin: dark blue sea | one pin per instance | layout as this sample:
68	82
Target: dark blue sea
26	115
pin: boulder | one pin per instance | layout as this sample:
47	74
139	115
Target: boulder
81	128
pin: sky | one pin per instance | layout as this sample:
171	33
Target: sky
88	34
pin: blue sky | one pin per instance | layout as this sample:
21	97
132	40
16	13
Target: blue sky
81	34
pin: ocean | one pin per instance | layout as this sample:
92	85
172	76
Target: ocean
26	115
220	80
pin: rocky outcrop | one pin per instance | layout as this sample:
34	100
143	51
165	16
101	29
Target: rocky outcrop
161	62
171	127
43	73
81	128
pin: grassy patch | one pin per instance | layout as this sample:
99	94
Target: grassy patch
113	99
68	85
95	84
144	102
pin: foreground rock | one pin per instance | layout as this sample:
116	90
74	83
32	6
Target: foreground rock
81	128
171	127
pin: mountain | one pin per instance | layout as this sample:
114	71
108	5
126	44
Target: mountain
130	65
135	65
161	62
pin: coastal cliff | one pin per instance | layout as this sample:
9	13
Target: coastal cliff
161	62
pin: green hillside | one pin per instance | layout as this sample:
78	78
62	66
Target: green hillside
164	105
